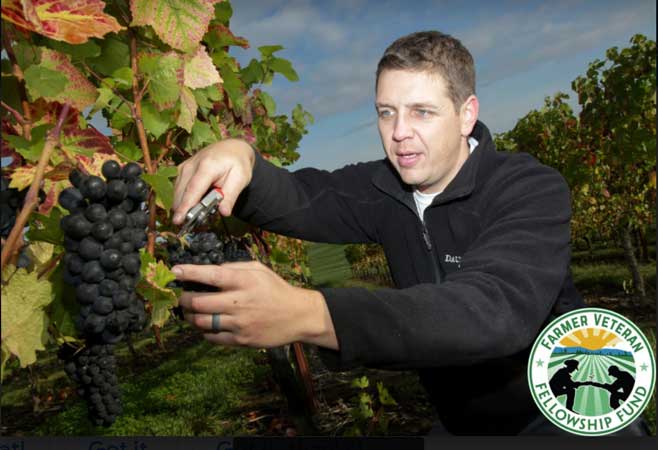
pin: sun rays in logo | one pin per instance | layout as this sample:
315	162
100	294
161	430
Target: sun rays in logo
591	339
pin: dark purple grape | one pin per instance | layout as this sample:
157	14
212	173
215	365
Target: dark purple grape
117	191
121	299
108	287
127	205
90	249
131	170
87	293
93	272
131	263
102	230
118	218
94	324
74	263
96	212
127	283
103	305
94	188
126	247
78	226
76	178
140	219
137	189
111	169
110	259
71	198
113	242
115	274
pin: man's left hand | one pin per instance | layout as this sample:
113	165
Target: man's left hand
256	307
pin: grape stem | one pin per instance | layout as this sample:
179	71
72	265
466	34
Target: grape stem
18	116
32	198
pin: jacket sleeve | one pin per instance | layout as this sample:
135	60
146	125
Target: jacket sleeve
311	204
492	307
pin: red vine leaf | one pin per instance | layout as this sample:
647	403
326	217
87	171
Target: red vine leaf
79	91
178	23
72	21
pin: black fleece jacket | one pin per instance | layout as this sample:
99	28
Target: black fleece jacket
474	283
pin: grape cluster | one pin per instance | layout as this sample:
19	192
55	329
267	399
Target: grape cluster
94	370
102	237
204	248
10	201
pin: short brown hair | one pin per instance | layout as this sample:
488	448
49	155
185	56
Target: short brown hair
433	51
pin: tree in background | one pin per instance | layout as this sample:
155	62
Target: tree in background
607	153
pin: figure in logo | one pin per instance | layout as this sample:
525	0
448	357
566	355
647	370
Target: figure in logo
619	389
561	382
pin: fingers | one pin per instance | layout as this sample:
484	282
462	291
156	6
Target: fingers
204	321
210	302
232	185
192	188
226	276
185	171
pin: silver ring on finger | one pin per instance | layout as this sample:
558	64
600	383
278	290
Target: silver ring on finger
215	323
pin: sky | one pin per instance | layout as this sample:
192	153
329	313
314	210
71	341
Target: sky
523	52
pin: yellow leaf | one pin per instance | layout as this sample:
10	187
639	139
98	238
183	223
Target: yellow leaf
24	320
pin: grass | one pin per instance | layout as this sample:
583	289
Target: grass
328	264
199	390
609	276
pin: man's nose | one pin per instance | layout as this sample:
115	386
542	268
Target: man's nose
402	130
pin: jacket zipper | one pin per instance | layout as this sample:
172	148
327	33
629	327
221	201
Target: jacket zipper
428	245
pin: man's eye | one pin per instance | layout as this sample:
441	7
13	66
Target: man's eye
423	113
383	113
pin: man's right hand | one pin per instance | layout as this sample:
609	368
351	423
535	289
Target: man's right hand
226	164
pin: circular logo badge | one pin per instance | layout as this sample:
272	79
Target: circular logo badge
591	372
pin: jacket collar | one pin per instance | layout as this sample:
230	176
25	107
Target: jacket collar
388	180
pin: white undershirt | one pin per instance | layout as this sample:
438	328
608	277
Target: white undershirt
424	200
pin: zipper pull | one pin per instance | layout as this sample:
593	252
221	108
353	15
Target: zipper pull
426	238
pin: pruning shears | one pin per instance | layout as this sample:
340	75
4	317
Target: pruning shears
199	213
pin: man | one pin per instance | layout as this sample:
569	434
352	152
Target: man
477	243
562	384
619	389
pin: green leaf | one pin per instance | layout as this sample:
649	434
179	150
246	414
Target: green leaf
46	228
179	23
284	67
26	54
268	50
165	75
129	151
201	135
78	52
223	12
30	150
114	54
43	82
199	71
279	257
385	397
253	73
164	189
188	109
268	103
121	115
152	286
156	122
123	76
233	87
64	308
361	382
24	321
105	95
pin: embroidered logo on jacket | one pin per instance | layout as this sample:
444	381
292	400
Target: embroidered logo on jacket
453	259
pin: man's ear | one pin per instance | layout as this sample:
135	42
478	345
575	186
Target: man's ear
468	115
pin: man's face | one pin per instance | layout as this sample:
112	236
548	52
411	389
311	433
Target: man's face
421	132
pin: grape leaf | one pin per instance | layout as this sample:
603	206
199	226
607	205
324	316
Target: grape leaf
223	12
152	287
155	122
46	227
268	50
94	164
188	108
219	36
128	151
123	76
201	134
79	90
164	189
44	82
72	21
64	308
284	67
233	87
165	74
199	71
178	23
253	73
24	321
86	142
268	103
30	150
78	52
115	54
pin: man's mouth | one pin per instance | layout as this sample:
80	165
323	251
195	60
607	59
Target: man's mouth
407	159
